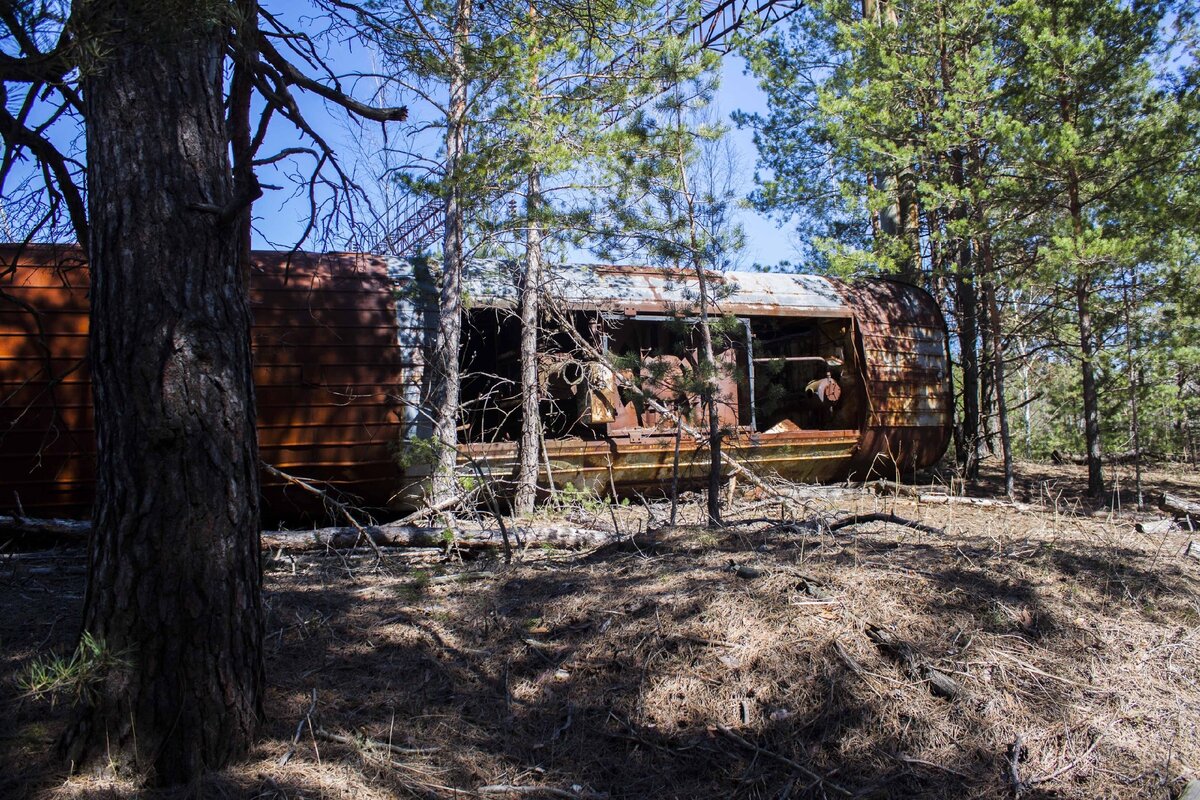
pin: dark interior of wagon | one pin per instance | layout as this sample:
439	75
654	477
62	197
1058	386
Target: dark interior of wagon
776	374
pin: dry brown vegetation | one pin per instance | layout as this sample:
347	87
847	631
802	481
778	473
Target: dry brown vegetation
660	670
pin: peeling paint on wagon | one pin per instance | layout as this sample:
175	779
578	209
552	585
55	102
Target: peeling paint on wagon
341	341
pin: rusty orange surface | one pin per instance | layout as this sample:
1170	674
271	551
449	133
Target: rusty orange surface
336	376
326	374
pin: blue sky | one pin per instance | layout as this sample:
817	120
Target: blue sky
279	216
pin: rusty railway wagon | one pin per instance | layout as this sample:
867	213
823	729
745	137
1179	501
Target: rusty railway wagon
822	379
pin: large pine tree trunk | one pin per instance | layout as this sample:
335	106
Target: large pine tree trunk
445	394
174	580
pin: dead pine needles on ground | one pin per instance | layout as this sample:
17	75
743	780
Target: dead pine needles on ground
924	649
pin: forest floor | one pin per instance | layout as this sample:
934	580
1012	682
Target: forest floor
664	671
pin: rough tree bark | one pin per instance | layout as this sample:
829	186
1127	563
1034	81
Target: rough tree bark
1091	402
445	393
967	309
998	370
966	303
531	289
174	574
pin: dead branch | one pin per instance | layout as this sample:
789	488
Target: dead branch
365	743
885	487
1015	751
550	791
444	505
913	664
75	530
1128	457
903	759
846	658
341	507
306	719
784	759
1064	770
861	519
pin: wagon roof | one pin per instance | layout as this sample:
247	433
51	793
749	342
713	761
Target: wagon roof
628	288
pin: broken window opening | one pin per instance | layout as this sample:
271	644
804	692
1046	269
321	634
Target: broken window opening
806	374
774	375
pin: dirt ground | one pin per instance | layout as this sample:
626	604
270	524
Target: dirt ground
664	671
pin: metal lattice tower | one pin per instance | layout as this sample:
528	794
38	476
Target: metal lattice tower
719	20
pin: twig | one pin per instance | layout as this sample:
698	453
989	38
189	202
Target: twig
910	760
342	508
504	788
1014	774
846	658
784	759
369	744
860	519
1068	767
444	505
286	757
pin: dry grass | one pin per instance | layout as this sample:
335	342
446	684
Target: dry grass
634	674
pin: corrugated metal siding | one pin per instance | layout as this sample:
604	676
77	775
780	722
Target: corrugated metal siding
47	438
493	283
907	372
328	376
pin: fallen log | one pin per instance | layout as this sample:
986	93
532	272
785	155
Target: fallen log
1179	506
390	535
1156	526
886	487
72	529
947	499
1128	457
558	536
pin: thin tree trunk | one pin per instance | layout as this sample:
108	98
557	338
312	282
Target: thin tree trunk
987	375
998	376
967	307
967	441
1091	403
445	394
531	289
708	361
1087	348
675	468
174	578
1135	385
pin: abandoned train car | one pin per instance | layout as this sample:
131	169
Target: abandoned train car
819	379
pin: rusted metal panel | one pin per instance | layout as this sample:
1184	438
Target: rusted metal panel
340	343
47	439
653	290
907	372
328	379
328	375
596	466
